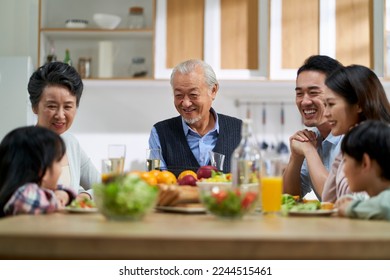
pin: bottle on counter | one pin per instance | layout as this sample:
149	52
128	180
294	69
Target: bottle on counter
136	18
246	161
67	58
52	55
84	67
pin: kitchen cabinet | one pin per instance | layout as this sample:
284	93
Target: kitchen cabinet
266	39
225	33
387	38
343	29
126	43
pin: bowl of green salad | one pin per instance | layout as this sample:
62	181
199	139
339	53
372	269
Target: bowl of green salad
125	197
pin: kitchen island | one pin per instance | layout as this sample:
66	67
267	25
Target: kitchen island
192	236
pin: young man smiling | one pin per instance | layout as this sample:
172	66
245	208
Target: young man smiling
312	151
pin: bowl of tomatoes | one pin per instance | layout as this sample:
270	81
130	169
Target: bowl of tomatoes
227	201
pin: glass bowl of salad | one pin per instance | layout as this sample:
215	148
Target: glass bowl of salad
227	201
125	197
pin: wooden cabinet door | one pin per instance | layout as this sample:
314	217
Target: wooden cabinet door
224	33
342	29
239	34
185	21
354	32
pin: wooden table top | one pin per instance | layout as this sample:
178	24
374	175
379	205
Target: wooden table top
192	236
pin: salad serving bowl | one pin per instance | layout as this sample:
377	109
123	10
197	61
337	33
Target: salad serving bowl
125	197
227	201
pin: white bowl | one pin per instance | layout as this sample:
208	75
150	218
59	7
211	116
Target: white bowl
76	23
106	21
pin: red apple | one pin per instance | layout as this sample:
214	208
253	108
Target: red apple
205	171
187	180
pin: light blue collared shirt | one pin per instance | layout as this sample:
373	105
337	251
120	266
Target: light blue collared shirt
328	150
199	145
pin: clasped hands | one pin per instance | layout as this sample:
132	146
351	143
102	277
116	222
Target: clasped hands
302	141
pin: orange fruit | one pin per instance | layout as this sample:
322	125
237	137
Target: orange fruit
155	172
148	178
166	177
187	172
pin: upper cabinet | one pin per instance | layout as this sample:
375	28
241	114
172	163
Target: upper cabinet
240	39
267	39
343	29
124	52
230	35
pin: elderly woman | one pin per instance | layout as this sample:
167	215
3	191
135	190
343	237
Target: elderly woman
55	90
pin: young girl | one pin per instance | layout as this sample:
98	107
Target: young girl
366	150
30	165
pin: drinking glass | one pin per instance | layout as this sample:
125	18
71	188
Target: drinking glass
117	154
153	159
107	171
272	184
217	160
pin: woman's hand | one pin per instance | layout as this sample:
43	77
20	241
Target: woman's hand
82	196
62	197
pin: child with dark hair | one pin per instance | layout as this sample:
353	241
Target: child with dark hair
366	150
30	165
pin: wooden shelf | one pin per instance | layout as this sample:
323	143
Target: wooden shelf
74	33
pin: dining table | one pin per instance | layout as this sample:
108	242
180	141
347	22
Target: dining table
188	236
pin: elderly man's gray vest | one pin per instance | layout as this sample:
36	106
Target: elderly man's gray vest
178	155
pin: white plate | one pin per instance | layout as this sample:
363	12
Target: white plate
81	210
312	212
178	209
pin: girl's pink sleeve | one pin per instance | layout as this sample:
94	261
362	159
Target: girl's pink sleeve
31	199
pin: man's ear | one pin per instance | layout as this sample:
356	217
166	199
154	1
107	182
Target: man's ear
214	91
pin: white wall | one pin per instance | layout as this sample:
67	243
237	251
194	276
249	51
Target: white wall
19	28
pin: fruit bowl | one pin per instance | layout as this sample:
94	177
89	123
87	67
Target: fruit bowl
125	197
226	201
106	21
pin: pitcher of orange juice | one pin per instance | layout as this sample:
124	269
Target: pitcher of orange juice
272	183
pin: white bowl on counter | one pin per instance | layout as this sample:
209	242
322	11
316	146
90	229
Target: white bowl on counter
107	21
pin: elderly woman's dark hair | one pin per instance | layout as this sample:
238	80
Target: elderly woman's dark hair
54	74
359	85
371	137
25	155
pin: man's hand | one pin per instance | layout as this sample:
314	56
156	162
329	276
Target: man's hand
302	141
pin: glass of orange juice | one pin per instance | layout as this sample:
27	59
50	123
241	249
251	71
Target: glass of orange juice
272	184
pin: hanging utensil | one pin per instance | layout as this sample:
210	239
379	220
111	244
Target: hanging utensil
264	144
282	148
